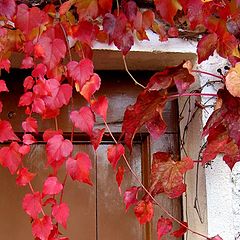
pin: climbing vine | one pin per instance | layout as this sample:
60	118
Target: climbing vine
48	32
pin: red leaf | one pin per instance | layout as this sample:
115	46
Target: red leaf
144	211
195	12
30	125
50	50
87	9
7	8
24	177
26	99
114	153
105	5
79	167
173	32
86	32
83	119
96	137
3	87
32	204
64	8
119	177
10	157
5	64
80	72
49	133
167	175
178	75
52	186
41	228
91	86
27	62
39	71
130	196
100	106
148	107
28	83
58	148
206	46
180	232
61	213
167	9
216	238
222	127
24	149
6	132
28	19
29	139
164	226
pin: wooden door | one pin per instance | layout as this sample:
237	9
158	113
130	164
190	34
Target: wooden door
97	212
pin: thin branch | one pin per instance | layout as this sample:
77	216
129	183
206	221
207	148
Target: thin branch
207	73
175	96
149	194
126	68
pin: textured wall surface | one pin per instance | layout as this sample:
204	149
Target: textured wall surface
220	197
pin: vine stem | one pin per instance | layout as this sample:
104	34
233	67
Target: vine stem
207	73
149	194
128	72
175	96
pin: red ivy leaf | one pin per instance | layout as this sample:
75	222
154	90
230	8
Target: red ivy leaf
5	64
79	167
146	110
83	119
49	133
41	228
7	8
164	226
57	147
80	72
3	87
10	157
29	139
32	204
91	86
144	211
87	8
26	99
28	83
114	153
27	19
130	196
25	149
167	175
206	46
30	125
119	177
50	50
27	63
6	132
61	213
100	106
180	232
167	9
171	76
222	127
96	137
24	177
52	186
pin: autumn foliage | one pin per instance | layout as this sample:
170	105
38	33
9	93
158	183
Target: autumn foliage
47	34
